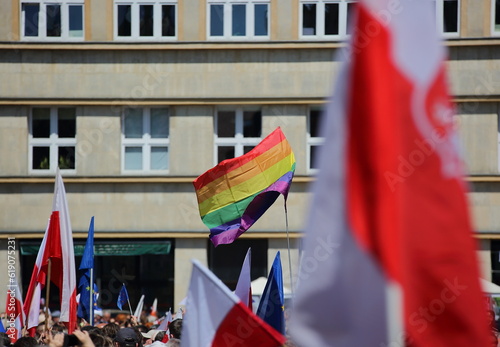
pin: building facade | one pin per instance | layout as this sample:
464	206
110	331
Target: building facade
134	99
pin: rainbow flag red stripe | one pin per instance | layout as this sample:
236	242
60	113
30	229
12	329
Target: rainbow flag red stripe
236	192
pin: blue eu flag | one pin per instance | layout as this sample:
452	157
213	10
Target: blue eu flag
122	297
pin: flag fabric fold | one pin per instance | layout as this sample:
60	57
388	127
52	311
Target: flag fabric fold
122	297
244	285
233	195
138	309
272	303
57	245
84	286
216	317
389	257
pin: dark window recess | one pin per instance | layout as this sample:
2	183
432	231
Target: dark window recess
124	20
31	16
314	123
40	123
229	271
309	19
252	123
226	124
247	149
225	152
53	20
66	158
41	158
168	20
66	122
314	156
146	20
216	20
331	19
450	16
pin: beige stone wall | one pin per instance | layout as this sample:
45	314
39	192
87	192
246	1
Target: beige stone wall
485	202
99	26
13	141
185	250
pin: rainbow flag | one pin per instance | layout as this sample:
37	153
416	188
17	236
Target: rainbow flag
235	193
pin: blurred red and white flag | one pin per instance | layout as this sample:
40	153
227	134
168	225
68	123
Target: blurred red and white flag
389	256
14	310
244	285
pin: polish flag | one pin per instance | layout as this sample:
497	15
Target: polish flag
244	286
154	308
215	316
14	310
57	245
389	256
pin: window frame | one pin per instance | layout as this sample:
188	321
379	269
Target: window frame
249	17
146	142
53	141
135	28
320	20
492	19
440	20
238	141
316	141
42	22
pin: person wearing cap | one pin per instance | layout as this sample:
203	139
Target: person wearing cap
126	337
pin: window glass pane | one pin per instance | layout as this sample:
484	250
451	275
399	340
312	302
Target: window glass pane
350	11
66	122
159	123
41	122
497	15
124	20
252	123
66	158
225	152
226	123
146	20
314	121
159	158
75	20
133	123
41	158
133	158
308	19
239	20
331	19
450	16
247	149
30	12
216	20
314	156
261	20
53	20
168	20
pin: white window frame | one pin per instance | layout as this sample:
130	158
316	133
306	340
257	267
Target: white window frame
320	19
42	22
312	141
440	19
492	19
53	142
146	142
238	141
135	21
250	20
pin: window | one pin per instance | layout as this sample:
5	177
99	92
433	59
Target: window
52	20
314	141
152	20
52	139
237	132
495	17
145	140
325	19
447	17
237	19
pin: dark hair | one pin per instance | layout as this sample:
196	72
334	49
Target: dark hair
100	340
160	335
110	330
175	328
26	341
4	340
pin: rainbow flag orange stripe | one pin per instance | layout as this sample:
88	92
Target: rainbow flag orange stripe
236	192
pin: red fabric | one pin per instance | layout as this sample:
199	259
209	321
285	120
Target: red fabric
404	207
241	327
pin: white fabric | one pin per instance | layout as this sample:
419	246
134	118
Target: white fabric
138	309
208	303
165	321
244	284
69	270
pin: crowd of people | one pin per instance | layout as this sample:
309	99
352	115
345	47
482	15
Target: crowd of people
120	331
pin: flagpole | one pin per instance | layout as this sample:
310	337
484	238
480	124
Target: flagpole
129	306
47	294
289	256
91	307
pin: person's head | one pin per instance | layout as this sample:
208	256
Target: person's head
55	316
4	340
126	337
175	328
110	330
58	328
26	341
100	340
